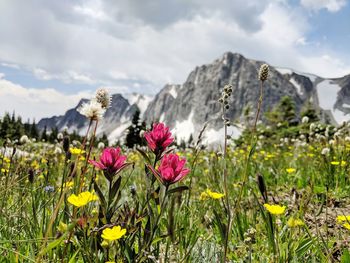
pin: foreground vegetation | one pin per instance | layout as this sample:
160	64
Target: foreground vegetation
278	194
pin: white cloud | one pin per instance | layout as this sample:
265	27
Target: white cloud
330	5
151	43
35	103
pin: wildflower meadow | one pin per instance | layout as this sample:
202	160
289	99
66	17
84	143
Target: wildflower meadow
278	193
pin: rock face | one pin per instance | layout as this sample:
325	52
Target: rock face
114	124
187	107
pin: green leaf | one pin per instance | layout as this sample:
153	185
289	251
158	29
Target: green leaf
345	257
303	247
115	188
178	189
100	195
58	241
72	259
144	155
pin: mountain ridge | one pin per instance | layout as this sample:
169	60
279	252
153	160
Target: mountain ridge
188	106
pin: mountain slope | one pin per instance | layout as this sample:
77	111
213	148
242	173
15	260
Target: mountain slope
115	122
187	107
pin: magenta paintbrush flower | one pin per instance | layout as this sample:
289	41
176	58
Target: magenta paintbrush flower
111	162
171	169
159	138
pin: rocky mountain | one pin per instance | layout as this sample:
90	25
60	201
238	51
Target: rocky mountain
115	122
187	107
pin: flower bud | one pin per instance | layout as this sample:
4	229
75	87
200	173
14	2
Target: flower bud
263	72
66	143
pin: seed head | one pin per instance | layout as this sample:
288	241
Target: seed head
66	143
227	88
102	97
264	72
92	110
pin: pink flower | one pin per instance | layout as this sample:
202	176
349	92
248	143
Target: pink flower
159	138
171	169
111	162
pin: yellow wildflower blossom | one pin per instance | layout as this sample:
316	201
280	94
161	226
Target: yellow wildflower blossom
76	151
35	165
347	226
290	170
295	222
68	185
114	233
82	198
4	171
341	219
275	209
210	194
62	227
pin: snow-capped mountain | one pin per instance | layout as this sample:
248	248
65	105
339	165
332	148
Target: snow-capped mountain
115	122
187	107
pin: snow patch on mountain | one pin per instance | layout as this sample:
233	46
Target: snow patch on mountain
284	70
184	129
297	86
173	91
119	132
289	71
216	137
142	101
327	93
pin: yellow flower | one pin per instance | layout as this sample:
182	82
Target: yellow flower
82	198
275	209
341	219
62	227
7	160
35	164
295	222
209	194
105	244
4	171
113	233
68	185
76	151
336	163
290	170
347	226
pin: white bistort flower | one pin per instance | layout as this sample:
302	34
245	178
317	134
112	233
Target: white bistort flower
57	150
101	146
92	110
305	119
60	136
24	139
325	151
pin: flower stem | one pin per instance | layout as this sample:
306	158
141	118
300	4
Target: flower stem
228	208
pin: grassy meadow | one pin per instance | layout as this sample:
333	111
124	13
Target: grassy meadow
277	194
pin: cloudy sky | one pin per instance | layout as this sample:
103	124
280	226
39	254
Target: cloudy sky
52	52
